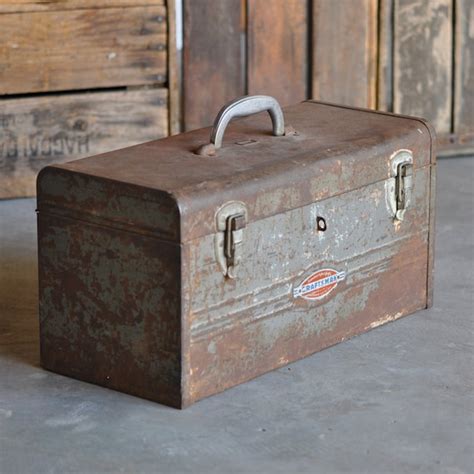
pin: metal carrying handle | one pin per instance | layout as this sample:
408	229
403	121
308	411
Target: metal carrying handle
241	107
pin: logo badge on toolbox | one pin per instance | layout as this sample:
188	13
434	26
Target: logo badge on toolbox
319	284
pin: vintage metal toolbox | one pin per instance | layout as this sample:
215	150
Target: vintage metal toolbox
174	269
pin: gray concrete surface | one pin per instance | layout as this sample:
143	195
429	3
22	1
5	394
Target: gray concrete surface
398	399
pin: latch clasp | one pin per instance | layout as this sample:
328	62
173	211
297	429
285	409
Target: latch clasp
231	219
400	185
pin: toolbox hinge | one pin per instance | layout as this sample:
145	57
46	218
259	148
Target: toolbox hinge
400	185
231	219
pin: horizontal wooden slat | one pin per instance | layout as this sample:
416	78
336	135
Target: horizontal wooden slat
455	145
38	131
13	6
82	49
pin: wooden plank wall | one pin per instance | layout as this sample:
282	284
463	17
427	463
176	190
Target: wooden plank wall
413	57
78	78
345	37
422	60
237	47
278	49
213	58
464	73
428	47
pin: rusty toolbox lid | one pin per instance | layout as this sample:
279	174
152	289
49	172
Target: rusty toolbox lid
166	188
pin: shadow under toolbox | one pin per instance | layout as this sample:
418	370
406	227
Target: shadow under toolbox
172	270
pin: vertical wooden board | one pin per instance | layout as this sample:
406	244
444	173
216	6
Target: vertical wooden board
174	106
385	57
213	58
38	131
277	49
80	49
345	51
464	78
423	60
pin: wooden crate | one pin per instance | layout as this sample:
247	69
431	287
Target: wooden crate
42	130
78	78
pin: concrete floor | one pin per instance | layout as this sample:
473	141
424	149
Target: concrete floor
398	399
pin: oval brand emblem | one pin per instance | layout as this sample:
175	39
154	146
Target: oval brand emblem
319	284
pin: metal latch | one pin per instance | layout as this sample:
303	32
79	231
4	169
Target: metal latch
231	220
400	185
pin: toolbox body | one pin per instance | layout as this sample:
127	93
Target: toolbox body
172	270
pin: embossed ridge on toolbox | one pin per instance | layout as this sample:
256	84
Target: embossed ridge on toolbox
328	156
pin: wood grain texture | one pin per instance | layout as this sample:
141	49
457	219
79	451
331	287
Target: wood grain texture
385	57
451	144
277	49
79	49
464	77
38	131
13	6
422	60
214	58
174	96
345	51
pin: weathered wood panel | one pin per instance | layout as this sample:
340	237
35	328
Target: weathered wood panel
464	60
78	49
345	51
385	57
214	58
422	67
38	131
174	59
277	49
12	6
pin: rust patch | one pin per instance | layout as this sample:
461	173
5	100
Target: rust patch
131	296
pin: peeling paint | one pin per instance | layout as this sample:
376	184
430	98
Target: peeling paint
131	294
385	319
